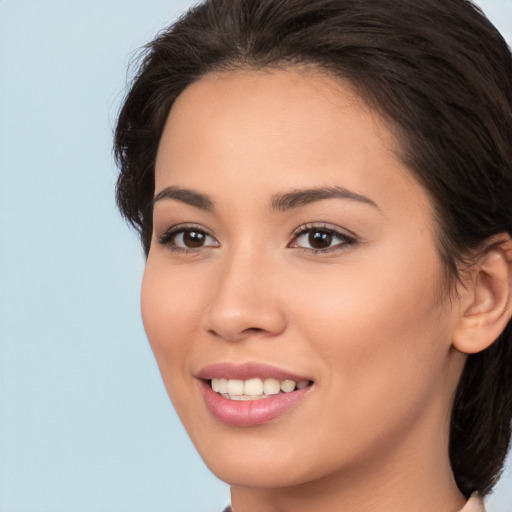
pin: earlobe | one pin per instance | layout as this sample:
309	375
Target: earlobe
486	301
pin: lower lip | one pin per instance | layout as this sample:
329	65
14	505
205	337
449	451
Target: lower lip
251	412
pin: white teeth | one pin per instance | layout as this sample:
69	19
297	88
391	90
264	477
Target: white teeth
254	389
223	385
287	385
235	387
271	386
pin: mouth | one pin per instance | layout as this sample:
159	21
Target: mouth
251	394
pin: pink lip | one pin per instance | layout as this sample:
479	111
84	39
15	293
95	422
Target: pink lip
251	412
247	371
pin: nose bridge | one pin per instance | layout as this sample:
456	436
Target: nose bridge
244	300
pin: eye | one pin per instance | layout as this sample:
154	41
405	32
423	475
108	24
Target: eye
320	238
187	238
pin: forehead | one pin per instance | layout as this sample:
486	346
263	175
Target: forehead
276	99
288	129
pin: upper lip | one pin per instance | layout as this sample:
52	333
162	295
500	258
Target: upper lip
246	371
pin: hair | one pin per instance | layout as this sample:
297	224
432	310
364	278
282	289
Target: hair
441	75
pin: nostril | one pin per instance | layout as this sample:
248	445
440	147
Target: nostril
238	336
253	329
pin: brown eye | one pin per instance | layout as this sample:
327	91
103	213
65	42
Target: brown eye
319	239
193	239
187	239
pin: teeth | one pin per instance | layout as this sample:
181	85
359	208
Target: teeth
235	387
287	385
271	386
254	389
223	385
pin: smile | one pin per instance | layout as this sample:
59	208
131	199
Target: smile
256	388
251	394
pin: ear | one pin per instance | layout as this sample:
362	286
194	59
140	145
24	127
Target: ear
486	299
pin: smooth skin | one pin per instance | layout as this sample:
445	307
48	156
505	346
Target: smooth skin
365	313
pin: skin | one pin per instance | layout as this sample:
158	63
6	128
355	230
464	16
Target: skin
368	320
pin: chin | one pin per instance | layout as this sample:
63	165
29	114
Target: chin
264	458
258	472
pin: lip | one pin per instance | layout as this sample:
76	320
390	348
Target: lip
246	371
251	412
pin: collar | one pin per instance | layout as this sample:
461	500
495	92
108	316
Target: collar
474	504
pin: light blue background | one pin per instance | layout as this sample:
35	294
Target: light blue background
85	423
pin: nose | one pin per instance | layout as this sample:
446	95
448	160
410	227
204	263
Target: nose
245	301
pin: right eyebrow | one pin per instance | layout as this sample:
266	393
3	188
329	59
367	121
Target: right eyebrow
186	196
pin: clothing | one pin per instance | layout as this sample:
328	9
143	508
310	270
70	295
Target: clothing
474	504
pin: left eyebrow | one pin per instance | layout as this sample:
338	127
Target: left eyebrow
298	198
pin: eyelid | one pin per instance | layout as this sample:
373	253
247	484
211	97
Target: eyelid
347	237
166	238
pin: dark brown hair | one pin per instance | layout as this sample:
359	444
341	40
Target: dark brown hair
437	70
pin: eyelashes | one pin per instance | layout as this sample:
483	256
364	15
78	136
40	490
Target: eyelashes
311	238
321	238
187	238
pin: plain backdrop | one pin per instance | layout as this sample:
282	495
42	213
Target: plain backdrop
85	423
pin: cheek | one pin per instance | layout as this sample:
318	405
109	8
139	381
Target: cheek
379	328
380	340
170	309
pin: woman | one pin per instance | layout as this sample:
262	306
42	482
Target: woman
322	189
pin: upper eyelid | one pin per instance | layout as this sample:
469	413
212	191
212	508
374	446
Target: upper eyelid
174	230
325	226
186	226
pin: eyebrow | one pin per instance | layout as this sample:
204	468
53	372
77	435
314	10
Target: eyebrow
187	196
298	198
279	202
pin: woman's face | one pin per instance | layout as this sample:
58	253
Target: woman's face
290	244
